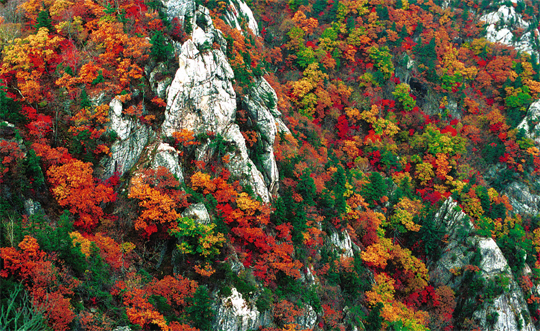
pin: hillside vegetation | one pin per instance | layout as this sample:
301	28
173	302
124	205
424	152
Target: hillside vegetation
300	165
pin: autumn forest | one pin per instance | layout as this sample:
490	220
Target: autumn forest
269	165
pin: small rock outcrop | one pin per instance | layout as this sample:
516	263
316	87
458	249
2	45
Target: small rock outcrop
343	243
167	156
197	212
531	122
233	313
502	23
505	308
522	199
132	137
261	103
237	11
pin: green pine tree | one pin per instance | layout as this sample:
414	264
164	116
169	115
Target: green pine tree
161	50
44	20
85	101
375	189
339	190
306	188
200	309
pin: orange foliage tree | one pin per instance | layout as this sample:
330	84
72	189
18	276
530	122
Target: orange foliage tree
159	197
76	188
47	285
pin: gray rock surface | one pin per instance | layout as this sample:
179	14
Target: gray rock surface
511	305
261	104
307	320
531	122
238	11
201	98
159	80
31	207
197	212
242	167
502	23
233	313
167	156
343	243
462	242
133	136
522	199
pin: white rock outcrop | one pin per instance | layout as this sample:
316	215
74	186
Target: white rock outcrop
167	156
261	104
308	319
198	212
242	167
239	11
531	122
233	313
522	199
343	243
159	80
132	138
502	23
201	98
510	305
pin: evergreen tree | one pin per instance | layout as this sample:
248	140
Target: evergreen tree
44	20
404	189
200	309
10	110
161	50
382	12
403	33
188	26
280	214
339	190
306	188
299	224
375	189
374	320
85	101
319	6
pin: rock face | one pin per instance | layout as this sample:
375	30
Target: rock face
201	99
242	167
261	103
343	243
508	306
502	23
235	314
507	310
307	320
167	156
197	212
531	122
159	79
522	199
133	136
237	10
